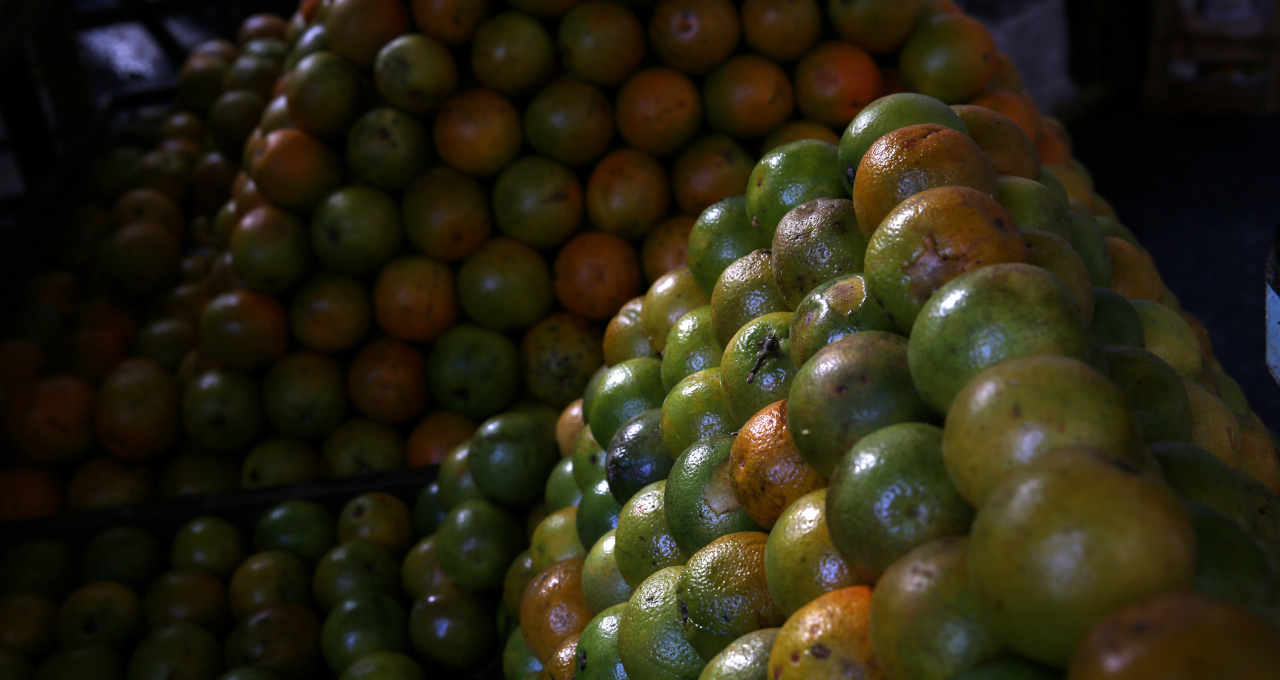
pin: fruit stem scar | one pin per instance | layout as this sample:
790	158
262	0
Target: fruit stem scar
769	346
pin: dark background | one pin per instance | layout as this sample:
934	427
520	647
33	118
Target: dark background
1191	170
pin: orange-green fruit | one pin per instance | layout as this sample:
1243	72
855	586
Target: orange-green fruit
174	651
456	483
559	355
890	494
666	246
1178	636
569	121
378	665
378	517
948	56
930	239
552	609
1115	321
355	230
1230	565
367	623
670	297
643	542
746	658
518	660
192	595
651	643
597	652
537	201
747	96
387	148
588	461
445	214
879	26
911	159
323	92
601	42
1054	253
827	638
832	310
1062	543
699	501
722	233
1213	426
102	612
602	583
511	454
268	578
627	389
477	132
569	427
415	73
691	346
624	336
1167	335
597	512
745	290
512	52
1152	390
814	242
787	176
1011	151
766	471
779	29
518	575
1133	271
210	543
693	36
722	592
505	285
694	410
1090	244
556	539
801	562
884	115
849	389
473	371
452	629
756	368
562	489
834	81
27	625
476	541
1020	410
1032	205
796	130
711	168
988	315
420	572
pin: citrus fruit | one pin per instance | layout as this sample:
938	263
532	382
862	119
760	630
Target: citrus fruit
636	456
722	233
827	637
709	169
879	26
283	639
511	454
1021	409
796	130
562	489
323	92
1011	151
512	53
651	643
475	543
243	330
595	273
361	446
28	624
137	410
756	367
99	661
800	560
1030	307
330	313
477	132
102	612
559	355
1213	426
208	543
588	460
643	543
948	56
1167	335
563	662
766	471
666	246
693	35
1174	636
1127	536
537	201
597	512
435	435
747	96
300	527
178	650
625	337
1032	205
414	73
787	176
452	629
1054	253
355	230
364	624
722	592
504	285
1152	390
473	371
658	111
746	658
1115	321
831	310
445	214
690	347
600	42
884	115
125	554
1230	565
626	389
555	539
746	289
265	579
518	660
377	517
834	81
627	193
357	29
694	410
552	608
304	395
597	649
848	389
814	242
191	595
387	149
387	381
383	664
420	572
602	584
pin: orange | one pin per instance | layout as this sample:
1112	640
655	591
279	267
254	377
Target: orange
878	26
1010	150
595	273
748	96
413	299
477	132
569	427
450	21
148	205
781	30
243	329
658	110
51	421
137	411
357	29
387	381
269	249
261	26
28	493
627	193
801	561
767	471
948	56
107	483
563	662
600	42
435	436
911	159
141	258
295	170
624	336
796	130
446	214
829	637
666	246
1018	107
723	593
552	609
834	81
1053	145
330	313
570	121
1133	272
512	53
323	94
559	355
538	202
377	517
711	168
694	35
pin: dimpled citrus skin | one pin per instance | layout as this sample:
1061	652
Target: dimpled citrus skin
828	638
643	541
552	609
650	642
800	560
766	470
723	593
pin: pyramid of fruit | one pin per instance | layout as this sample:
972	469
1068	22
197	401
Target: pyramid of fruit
903	398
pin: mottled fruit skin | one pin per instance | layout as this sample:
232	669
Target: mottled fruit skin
1011	151
832	310
801	562
765	468
723	592
829	637
746	658
789	175
814	242
885	115
1060	545
650	641
746	289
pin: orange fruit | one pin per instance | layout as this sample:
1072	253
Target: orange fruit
552	609
781	30
357	29
570	121
627	193
948	56
51	421
1011	151
878	26
595	273
413	299
450	21
148	205
330	313
1053	145
1133	271
512	53
446	214
435	436
624	336
829	637
747	96
712	168
243	329
137	411
658	110
834	81
28	493
600	42
387	381
295	170
796	130
767	471
694	35
666	246
911	159
477	132
107	483
1018	107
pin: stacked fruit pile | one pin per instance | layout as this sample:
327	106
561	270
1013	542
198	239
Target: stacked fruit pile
908	401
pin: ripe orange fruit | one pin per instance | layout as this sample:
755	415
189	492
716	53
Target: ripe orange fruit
294	170
712	168
450	21
666	247
627	193
767	471
477	132
387	381
595	272
781	30
829	637
435	436
748	96
834	81
553	609
1018	107
694	35
357	29
658	110
51	421
413	299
